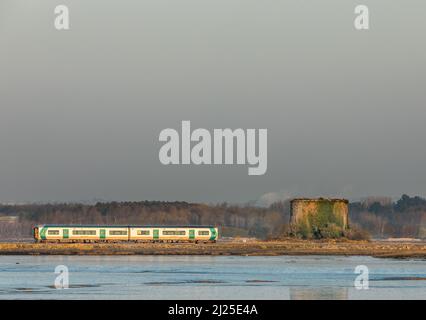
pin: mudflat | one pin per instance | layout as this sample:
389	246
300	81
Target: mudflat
249	248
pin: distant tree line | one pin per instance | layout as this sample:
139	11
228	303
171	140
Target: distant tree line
380	218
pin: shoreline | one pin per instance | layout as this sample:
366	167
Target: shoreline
378	249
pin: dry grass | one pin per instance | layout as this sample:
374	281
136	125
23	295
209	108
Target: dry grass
252	248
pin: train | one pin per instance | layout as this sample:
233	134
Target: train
105	233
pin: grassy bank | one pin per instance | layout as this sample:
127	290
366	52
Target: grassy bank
251	248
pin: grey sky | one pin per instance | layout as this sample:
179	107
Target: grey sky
81	110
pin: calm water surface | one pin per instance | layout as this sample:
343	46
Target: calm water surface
209	277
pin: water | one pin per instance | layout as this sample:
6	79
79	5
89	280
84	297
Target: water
210	277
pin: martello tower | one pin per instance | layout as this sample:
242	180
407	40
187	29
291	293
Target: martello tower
309	216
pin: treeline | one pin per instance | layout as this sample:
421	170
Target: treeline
383	218
380	217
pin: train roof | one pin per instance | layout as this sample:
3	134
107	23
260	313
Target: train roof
121	226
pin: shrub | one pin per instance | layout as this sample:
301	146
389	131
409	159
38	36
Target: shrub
356	233
302	230
331	231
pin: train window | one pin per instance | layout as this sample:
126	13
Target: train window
84	232
143	233
53	232
117	233
174	233
203	233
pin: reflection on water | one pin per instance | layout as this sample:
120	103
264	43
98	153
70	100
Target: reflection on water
326	293
208	277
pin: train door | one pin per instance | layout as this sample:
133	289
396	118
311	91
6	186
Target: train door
156	234
191	234
102	234
66	233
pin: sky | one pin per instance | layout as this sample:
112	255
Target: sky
81	110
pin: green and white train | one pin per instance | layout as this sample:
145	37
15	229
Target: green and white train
92	233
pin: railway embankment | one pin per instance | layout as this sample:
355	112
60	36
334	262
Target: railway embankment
250	248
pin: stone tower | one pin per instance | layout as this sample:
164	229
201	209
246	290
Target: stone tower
318	218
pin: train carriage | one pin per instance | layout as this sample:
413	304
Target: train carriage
88	233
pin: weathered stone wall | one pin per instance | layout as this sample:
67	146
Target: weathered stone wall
319	218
